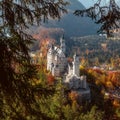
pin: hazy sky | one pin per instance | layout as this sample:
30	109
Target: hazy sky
88	3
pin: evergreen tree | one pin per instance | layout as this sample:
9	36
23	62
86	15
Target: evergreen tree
17	98
58	101
108	16
93	114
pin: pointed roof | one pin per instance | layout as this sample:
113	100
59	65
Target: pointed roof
51	50
62	38
75	55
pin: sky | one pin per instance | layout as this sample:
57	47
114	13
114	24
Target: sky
88	3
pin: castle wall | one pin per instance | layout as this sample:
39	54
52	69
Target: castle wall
49	61
56	72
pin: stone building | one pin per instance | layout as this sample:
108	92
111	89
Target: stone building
57	64
75	82
56	59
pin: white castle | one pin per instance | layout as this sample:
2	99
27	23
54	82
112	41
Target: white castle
77	83
57	64
56	59
73	77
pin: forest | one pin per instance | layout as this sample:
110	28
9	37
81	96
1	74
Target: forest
28	91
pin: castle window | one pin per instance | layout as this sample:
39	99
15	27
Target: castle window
57	65
52	64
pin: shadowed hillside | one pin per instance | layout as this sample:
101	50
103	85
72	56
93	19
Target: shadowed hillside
69	24
74	25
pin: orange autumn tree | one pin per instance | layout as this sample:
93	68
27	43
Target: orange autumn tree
50	79
73	95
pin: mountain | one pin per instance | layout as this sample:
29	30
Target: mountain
74	25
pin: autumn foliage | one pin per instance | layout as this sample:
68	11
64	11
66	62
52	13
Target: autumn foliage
73	95
108	79
50	79
46	37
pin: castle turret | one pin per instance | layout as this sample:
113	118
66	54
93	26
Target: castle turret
50	58
62	46
83	82
76	64
69	70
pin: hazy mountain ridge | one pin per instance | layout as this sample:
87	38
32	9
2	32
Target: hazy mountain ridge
69	24
74	25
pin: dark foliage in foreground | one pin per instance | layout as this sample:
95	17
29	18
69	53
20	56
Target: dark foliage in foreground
17	98
108	16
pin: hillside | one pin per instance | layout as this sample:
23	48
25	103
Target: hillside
74	25
71	25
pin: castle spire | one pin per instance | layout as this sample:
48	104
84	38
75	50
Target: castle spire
62	46
76	63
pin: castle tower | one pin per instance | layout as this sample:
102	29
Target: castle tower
83	82
69	70
62	46
76	63
50	58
